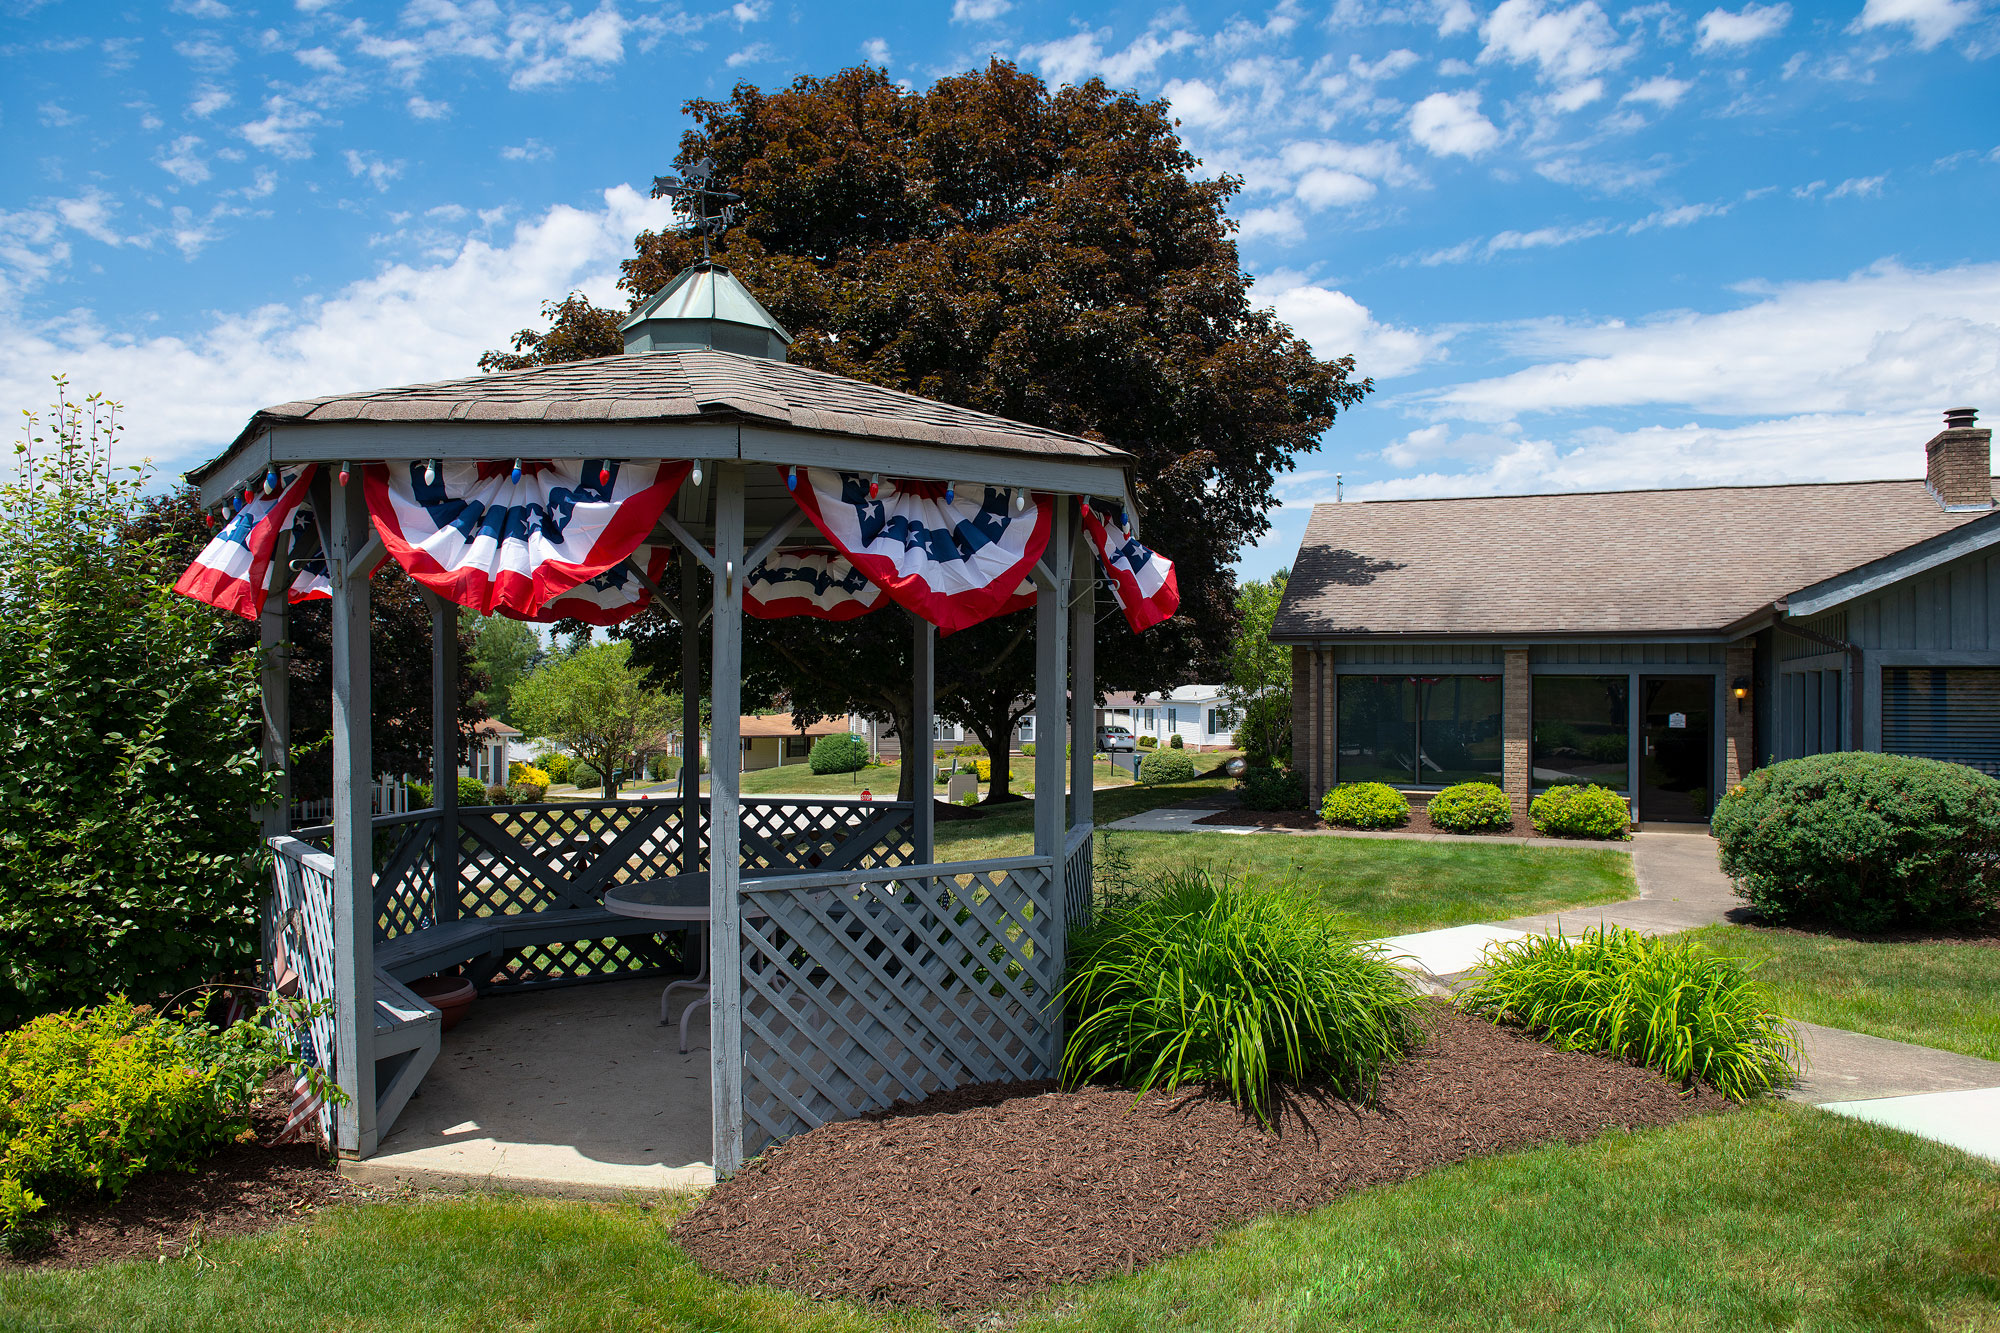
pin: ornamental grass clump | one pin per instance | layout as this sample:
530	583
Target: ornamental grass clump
1204	979
1675	1006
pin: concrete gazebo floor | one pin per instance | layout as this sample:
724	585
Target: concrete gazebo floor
578	1091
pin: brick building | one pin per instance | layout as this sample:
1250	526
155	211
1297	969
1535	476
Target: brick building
1659	642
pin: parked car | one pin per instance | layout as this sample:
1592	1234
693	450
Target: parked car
1110	739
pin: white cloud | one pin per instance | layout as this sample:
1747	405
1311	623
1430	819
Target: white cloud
1722	30
1077	57
201	9
1451	123
754	54
180	159
56	116
1857	187
209	99
1324	187
319	58
205	53
424	109
1454	16
1929	21
1678	217
283	130
187	396
534	150
1336	325
1544	238
1661	91
537	46
978	11
875	51
1565	46
1885	339
1280	223
1197	104
370	165
1576	96
1396	62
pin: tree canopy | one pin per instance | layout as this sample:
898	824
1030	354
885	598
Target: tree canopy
503	650
1260	672
1053	257
595	704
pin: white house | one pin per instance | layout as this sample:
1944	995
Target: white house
1198	714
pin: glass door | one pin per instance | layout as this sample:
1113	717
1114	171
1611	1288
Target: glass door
1676	748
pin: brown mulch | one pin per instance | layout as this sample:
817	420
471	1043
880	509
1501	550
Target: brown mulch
244	1188
1985	935
1308	821
990	1194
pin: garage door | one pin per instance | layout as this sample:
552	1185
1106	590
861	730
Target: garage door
1943	713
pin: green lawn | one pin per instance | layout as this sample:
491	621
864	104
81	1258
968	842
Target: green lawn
1779	1217
799	778
1940	995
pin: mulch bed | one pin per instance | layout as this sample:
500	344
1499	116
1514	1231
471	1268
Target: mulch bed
1984	935
990	1194
1420	822
244	1188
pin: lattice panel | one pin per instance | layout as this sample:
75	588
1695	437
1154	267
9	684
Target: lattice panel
781	834
405	875
300	913
883	989
530	858
592	960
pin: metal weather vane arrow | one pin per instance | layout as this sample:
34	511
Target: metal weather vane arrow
707	211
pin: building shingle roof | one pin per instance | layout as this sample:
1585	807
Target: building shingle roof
688	385
782	724
1602	563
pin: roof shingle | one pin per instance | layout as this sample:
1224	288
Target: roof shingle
1605	563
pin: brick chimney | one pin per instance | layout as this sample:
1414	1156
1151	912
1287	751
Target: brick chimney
1958	467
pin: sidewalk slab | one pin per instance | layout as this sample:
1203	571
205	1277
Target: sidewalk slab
1968	1120
1444	953
1844	1066
1176	819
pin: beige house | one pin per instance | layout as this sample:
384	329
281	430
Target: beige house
775	740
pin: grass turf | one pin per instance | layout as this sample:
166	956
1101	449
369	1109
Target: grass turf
1778	1217
1932	994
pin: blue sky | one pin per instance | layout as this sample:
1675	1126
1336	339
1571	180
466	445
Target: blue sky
1581	245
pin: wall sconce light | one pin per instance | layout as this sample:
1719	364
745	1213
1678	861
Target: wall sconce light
1740	688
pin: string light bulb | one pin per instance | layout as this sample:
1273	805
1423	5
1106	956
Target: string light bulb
271	482
515	476
950	493
604	473
248	495
343	474
697	472
430	472
792	478
874	485
1020	501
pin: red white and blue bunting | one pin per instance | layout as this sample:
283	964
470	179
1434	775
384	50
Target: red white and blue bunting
233	570
954	557
508	538
808	583
615	595
1142	580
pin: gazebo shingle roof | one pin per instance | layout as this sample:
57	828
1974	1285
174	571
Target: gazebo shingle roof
687	386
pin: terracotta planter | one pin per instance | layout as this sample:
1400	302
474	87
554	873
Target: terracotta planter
450	996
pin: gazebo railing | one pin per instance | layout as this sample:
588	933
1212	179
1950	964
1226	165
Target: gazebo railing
298	931
1078	865
865	987
561	856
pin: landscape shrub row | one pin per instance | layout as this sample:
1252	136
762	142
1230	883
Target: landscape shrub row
1365	805
1272	789
1160	766
1471	807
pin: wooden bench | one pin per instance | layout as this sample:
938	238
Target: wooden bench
422	952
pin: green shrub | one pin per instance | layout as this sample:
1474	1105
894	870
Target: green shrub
1201	979
91	1098
420	795
1365	805
1672	1005
1165	766
1272	789
841	753
583	775
1028	749
1471	805
1148	742
471	791
968	748
1581	812
1174	742
497	795
1864	841
556	764
525	793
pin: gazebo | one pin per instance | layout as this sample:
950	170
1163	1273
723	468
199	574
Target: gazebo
849	968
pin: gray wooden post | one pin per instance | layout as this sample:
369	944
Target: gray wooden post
274	684
1051	710
725	763
444	753
353	825
1082	674
690	715
923	757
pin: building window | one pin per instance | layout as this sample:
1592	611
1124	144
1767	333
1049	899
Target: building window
1173	719
1953	715
1150	722
1028	729
1583	731
1221	720
1429	731
798	747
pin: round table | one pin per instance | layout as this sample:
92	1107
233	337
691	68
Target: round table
676	898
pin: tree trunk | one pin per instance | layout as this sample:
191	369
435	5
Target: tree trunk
996	732
903	717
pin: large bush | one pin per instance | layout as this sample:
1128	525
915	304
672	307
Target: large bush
471	791
129	770
1671	1005
1272	789
1470	807
1365	805
556	764
1581	812
1864	841
840	753
1166	766
1201	979
91	1098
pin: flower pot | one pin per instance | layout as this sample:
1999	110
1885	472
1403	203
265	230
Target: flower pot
450	996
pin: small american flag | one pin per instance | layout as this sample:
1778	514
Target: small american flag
307	1105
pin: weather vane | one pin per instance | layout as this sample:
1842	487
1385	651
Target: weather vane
708	211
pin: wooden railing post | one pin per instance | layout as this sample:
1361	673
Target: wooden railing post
724	825
921	755
274	681
444	753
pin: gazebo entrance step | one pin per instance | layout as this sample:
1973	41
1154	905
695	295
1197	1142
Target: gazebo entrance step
407	1031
